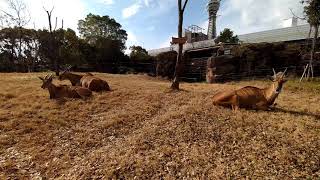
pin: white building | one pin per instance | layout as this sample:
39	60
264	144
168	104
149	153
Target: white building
293	33
288	34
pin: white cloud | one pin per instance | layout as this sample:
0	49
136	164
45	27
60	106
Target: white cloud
167	42
132	37
155	7
251	15
160	6
147	3
204	25
2	3
132	40
131	10
107	2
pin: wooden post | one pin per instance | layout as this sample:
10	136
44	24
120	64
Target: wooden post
304	72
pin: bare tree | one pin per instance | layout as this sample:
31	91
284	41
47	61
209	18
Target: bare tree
179	63
17	13
312	15
54	47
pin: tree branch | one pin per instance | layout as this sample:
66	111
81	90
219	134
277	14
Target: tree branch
301	18
49	18
7	14
184	6
179	5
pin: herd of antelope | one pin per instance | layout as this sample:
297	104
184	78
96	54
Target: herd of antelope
248	97
81	85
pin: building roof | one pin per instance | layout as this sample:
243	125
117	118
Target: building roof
186	47
276	35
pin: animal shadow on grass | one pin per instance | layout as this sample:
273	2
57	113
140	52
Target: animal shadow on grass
175	91
298	113
62	101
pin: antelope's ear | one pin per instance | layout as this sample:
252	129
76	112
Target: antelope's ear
41	78
284	80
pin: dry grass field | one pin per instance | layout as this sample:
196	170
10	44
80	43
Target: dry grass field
141	130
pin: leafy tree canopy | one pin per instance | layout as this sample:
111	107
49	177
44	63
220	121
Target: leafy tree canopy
138	51
94	27
312	11
227	36
138	54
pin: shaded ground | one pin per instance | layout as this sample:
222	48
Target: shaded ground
140	130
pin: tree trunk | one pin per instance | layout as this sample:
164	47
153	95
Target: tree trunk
176	78
52	45
314	42
56	67
309	35
20	58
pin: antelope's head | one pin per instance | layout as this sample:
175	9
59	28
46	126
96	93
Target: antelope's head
46	81
278	79
64	74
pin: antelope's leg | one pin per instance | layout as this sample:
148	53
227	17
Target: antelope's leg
262	106
235	108
223	103
80	94
235	102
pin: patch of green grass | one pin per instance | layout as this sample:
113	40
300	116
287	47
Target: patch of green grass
308	86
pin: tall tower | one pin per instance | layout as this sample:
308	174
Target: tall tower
213	8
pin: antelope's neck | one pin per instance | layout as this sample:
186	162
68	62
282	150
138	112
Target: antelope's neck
52	89
271	93
74	77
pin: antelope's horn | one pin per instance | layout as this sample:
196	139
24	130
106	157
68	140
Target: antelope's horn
50	77
66	69
274	72
284	72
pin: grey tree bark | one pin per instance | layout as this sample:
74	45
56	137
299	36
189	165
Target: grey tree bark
178	69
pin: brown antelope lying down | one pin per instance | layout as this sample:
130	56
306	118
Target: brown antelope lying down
94	83
88	81
63	90
252	97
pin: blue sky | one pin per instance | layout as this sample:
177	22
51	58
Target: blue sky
151	23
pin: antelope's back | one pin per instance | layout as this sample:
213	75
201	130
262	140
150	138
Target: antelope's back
68	91
94	83
73	78
97	84
223	96
83	91
86	80
249	96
